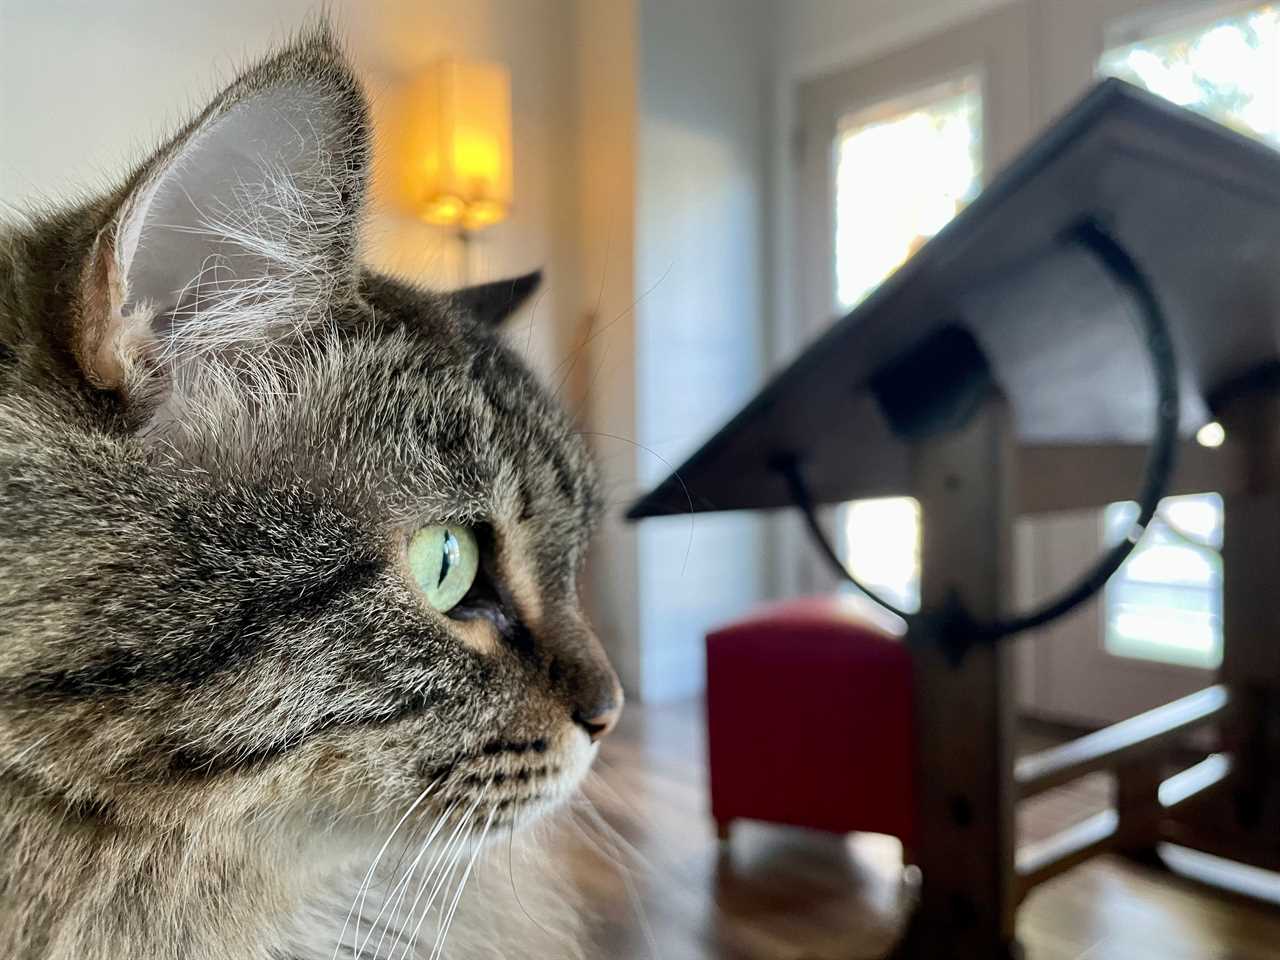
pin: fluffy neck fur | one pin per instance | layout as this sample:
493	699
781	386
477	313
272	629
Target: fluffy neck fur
76	887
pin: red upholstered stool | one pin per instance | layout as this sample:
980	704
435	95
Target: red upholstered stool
809	720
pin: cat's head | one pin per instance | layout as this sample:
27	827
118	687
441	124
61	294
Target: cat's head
278	535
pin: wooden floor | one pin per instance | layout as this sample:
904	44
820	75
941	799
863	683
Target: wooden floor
670	891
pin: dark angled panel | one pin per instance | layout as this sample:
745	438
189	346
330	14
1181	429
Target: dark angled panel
1196	205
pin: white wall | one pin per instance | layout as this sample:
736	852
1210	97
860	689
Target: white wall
700	269
817	36
672	159
87	87
601	369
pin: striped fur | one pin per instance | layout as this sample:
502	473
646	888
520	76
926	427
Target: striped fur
219	691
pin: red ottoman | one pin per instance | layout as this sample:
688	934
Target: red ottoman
809	720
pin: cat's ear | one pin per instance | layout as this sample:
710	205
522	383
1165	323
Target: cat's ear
492	303
239	231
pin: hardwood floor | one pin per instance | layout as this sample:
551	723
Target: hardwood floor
781	894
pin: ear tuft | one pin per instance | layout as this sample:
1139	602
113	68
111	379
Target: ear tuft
240	230
492	303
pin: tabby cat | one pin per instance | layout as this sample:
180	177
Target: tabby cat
288	560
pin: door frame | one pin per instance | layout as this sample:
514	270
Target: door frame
996	46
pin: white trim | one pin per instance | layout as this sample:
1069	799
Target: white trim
885	39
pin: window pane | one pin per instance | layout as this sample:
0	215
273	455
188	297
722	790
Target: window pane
1227	69
1165	603
882	547
903	168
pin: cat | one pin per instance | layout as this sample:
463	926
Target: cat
289	555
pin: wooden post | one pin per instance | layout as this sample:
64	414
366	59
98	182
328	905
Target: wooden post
1138	809
1246	827
964	711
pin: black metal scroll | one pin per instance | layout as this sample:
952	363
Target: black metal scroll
917	413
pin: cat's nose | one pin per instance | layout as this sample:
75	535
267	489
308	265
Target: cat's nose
599	719
580	669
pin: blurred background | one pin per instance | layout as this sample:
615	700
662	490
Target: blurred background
707	184
674	166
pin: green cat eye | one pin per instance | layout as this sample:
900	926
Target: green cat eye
444	561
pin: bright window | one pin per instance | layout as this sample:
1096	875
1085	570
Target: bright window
1227	69
1165	603
903	168
882	547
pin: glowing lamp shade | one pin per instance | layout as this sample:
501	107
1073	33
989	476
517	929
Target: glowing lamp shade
459	144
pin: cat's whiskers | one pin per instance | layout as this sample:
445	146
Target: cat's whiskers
595	374
462	885
438	857
437	870
614	857
405	882
445	882
362	892
449	853
602	822
511	872
533	315
666	463
396	903
593	333
591	319
595	779
455	841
